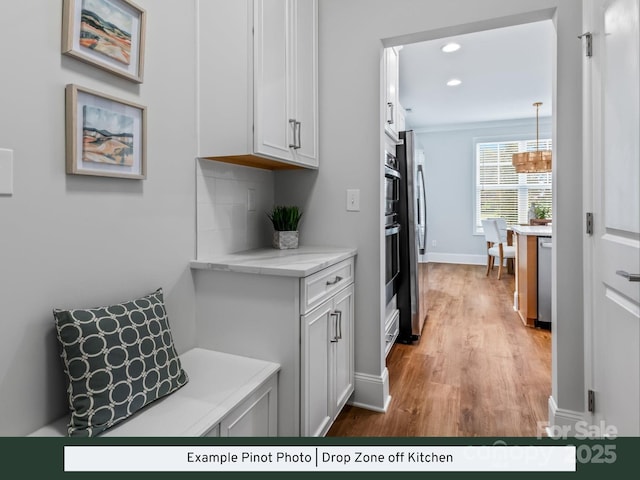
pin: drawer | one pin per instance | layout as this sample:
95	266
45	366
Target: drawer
391	330
316	288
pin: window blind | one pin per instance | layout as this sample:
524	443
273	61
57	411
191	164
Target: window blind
500	191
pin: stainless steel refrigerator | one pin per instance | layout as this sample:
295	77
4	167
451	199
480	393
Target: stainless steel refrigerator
412	215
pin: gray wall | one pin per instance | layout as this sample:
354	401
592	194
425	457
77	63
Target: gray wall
450	182
352	35
69	241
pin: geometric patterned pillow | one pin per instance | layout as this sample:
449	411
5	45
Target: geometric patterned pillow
117	359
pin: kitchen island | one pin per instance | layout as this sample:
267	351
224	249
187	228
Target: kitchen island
293	307
525	298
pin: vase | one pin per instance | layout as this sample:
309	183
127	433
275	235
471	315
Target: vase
285	239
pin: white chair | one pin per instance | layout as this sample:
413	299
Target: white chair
502	228
496	246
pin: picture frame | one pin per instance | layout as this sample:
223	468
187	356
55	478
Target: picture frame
109	34
105	136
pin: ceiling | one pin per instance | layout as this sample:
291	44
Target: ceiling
503	72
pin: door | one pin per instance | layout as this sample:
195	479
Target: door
343	357
316	348
273	132
392	71
305	81
613	295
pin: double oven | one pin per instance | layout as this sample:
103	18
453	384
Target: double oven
392	179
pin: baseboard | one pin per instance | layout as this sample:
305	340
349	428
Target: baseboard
562	422
371	392
458	258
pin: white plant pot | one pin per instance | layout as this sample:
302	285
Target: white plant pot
285	240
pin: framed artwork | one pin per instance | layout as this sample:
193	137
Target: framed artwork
106	33
105	136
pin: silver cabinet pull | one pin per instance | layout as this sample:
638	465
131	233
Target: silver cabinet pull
390	107
336	280
339	337
632	277
335	327
294	124
297	126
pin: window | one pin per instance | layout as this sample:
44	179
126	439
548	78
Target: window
500	191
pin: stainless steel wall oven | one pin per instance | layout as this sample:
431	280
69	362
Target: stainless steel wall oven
392	179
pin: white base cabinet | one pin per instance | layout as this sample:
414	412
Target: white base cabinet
327	361
304	323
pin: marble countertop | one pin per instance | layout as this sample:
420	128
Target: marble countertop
298	262
533	230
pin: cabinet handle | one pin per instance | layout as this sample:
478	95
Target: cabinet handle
632	277
335	327
339	337
297	126
391	107
336	280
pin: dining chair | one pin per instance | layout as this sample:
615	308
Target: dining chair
496	246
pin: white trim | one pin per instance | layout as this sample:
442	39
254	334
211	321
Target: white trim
459	258
544	122
559	417
371	392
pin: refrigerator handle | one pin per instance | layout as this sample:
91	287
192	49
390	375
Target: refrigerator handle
422	211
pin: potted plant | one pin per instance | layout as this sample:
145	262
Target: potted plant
541	213
285	221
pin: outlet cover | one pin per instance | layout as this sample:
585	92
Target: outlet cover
353	200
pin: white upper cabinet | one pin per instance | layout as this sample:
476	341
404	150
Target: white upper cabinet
285	64
258	82
391	80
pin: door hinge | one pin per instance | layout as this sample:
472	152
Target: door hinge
591	401
589	223
589	45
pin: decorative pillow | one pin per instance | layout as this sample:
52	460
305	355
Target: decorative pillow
117	359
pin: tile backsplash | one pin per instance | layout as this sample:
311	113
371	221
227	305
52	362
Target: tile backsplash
226	221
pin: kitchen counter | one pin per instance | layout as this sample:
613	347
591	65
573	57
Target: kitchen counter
298	262
526	286
532	230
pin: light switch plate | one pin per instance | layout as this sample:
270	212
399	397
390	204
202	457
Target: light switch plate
6	171
353	200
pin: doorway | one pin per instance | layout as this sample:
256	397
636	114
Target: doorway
463	91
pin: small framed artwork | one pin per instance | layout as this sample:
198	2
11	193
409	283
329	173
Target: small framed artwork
105	136
106	33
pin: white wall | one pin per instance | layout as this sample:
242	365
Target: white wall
352	34
69	241
225	224
450	183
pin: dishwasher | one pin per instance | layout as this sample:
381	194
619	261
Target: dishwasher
544	283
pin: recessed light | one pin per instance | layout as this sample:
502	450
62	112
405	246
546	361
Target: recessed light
451	47
454	82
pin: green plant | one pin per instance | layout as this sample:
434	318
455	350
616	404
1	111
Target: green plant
285	218
542	211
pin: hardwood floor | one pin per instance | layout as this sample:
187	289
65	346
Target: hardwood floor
477	370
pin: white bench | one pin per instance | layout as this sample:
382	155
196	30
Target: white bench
226	395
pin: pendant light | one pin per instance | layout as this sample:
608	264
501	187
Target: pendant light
533	162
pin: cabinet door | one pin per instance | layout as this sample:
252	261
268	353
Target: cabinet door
257	416
305	80
342	352
273	133
391	71
315	386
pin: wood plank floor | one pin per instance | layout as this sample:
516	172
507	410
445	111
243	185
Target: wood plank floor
477	370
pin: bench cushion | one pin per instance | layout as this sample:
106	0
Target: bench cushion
117	359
